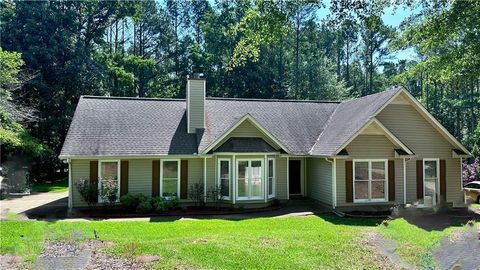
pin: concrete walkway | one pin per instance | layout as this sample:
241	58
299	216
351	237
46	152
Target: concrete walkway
26	203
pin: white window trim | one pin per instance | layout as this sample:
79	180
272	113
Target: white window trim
369	200
248	198
219	176
178	176
100	176
273	178
437	181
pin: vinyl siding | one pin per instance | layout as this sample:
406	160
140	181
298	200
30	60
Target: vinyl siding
247	129
80	170
369	147
196	104
281	181
319	180
140	176
426	142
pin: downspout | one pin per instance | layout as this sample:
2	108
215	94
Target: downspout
334	181
70	187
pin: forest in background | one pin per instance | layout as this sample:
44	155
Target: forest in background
51	52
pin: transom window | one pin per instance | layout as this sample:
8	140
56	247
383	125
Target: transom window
224	178
109	172
249	179
271	177
370	180
170	182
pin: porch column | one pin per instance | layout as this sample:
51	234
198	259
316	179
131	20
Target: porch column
205	179
288	178
234	179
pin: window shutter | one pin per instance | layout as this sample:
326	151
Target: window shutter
349	180
123	177
155	178
391	180
443	181
420	179
184	180
94	174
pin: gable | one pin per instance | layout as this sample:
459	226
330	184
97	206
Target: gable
414	125
247	129
414	130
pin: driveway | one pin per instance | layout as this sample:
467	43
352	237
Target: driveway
39	202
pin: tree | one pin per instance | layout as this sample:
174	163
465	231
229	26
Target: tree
375	35
12	133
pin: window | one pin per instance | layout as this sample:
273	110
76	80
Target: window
170	182
109	171
430	181
271	177
249	179
370	180
224	178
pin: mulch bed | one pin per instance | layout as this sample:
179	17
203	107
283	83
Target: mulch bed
88	255
118	212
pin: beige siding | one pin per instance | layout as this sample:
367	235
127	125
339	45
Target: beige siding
211	172
369	147
319	180
247	129
426	142
281	185
196	104
80	170
140	176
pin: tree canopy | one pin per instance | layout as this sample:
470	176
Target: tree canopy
54	51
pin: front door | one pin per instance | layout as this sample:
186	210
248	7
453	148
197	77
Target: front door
294	177
430	182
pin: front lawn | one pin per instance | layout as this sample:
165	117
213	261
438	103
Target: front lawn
261	243
60	185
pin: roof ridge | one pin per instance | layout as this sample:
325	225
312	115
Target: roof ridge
273	100
392	89
131	98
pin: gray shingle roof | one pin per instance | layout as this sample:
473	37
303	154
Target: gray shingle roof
109	126
349	117
105	126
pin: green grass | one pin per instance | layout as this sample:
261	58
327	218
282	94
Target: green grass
22	238
263	243
414	244
55	186
476	205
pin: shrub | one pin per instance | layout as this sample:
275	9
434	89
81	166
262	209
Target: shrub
88	191
196	193
215	195
131	201
173	203
109	190
471	172
160	205
144	207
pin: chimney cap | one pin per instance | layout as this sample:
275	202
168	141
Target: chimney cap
196	76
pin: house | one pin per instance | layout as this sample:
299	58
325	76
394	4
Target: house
370	152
